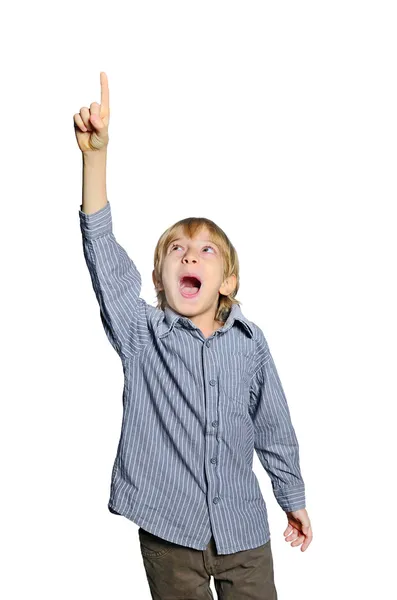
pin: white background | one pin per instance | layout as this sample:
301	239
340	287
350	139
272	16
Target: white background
278	122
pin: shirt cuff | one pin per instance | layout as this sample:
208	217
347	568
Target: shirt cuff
96	224
290	497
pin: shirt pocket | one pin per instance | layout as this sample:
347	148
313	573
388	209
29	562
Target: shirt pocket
235	378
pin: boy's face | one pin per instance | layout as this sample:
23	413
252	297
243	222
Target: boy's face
201	258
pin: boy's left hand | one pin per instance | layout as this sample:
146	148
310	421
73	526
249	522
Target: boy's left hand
299	528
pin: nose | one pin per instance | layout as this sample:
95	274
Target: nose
189	257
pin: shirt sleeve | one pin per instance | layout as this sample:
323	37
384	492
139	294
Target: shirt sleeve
275	440
116	282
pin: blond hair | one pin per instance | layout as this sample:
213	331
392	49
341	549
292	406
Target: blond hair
190	226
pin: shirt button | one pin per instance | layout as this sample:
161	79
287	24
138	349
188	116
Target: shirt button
212	381
214	423
216	500
208	344
213	460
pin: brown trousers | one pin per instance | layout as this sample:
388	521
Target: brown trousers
175	572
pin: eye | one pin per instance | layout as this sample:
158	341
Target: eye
178	246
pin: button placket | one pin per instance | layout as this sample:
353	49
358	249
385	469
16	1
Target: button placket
213	382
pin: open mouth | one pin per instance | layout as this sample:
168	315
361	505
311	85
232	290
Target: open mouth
189	286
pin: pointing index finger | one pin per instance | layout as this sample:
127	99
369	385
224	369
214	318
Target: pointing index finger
104	93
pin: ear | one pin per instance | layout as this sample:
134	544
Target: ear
228	285
156	285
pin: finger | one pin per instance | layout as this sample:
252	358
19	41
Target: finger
95	118
104	94
288	530
303	547
79	122
306	529
298	541
305	544
308	538
97	122
85	115
95	108
292	536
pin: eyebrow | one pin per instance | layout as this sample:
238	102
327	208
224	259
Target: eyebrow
177	240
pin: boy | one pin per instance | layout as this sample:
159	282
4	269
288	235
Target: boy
201	392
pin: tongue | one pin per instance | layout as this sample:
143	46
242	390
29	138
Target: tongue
189	288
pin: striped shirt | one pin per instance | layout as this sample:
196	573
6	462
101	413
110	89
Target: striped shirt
194	410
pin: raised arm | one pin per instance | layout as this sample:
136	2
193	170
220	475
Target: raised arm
115	277
116	282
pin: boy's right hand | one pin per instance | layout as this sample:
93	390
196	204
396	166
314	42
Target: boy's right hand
91	124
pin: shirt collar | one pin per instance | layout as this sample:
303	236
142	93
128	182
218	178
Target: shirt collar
171	317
